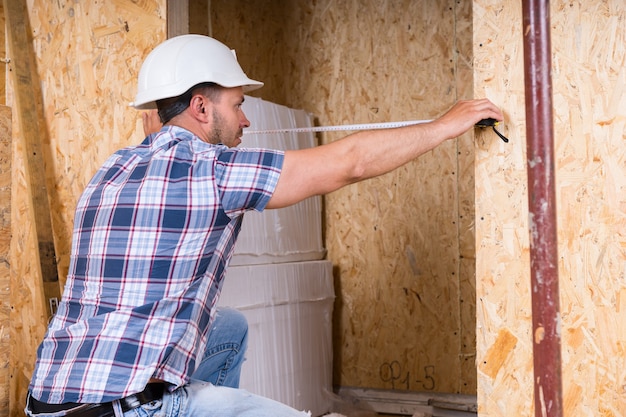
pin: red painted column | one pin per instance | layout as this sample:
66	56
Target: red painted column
542	206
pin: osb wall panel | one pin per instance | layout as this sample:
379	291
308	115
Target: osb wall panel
88	56
5	243
258	38
396	240
589	82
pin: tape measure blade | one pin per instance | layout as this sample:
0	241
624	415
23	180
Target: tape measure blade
335	128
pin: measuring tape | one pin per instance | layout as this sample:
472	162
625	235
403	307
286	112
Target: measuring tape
364	126
336	128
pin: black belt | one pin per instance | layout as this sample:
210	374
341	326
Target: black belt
152	392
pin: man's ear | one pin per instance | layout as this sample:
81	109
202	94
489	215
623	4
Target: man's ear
200	107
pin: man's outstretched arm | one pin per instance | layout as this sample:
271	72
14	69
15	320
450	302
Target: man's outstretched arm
367	154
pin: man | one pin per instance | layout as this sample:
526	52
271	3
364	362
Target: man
137	332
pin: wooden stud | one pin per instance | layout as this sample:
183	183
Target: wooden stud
34	135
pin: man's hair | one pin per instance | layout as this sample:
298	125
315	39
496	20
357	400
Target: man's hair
169	108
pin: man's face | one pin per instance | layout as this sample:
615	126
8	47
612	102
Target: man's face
228	120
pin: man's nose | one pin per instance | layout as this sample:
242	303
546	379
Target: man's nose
243	121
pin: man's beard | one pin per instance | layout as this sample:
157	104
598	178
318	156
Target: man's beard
217	133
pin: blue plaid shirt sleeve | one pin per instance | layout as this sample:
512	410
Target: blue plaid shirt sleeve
245	188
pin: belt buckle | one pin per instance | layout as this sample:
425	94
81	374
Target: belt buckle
129	403
152	392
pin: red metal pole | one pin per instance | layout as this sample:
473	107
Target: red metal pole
542	206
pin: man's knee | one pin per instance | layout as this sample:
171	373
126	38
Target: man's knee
232	320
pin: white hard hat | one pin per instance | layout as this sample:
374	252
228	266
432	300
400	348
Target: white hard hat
179	63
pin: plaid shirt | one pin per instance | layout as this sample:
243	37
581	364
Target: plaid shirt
154	231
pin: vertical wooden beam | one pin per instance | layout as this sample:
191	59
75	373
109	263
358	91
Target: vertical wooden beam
177	17
466	196
5	226
33	133
542	207
3	52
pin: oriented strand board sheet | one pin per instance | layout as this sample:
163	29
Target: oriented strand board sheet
402	285
394	239
589	83
259	39
88	56
5	244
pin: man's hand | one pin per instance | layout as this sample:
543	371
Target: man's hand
151	122
464	115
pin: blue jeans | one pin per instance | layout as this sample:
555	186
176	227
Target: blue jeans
203	399
213	390
225	351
